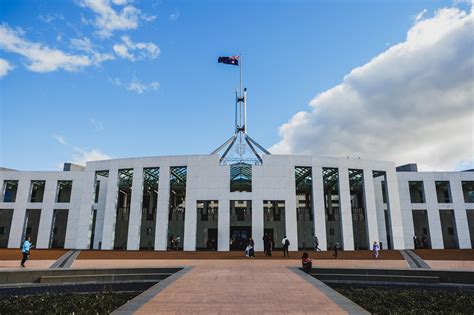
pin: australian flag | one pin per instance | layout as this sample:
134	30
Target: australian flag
232	60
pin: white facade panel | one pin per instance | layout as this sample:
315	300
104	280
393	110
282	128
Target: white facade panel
207	180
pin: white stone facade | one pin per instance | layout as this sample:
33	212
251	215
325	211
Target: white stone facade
208	180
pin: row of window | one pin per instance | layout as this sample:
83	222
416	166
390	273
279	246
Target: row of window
443	191
64	188
36	192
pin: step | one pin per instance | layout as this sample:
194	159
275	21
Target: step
104	277
384	278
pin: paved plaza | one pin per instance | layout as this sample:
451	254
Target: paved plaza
217	283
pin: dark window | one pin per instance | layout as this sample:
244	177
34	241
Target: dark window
37	190
468	191
64	191
241	177
417	194
10	190
443	192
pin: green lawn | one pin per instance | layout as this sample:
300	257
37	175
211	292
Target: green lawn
411	300
79	303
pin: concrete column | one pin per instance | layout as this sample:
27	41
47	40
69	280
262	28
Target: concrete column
47	212
19	211
110	215
190	223
380	210
460	214
134	223
434	219
291	219
370	208
406	212
345	209
84	219
223	225
257	223
100	207
161	228
393	200
318	207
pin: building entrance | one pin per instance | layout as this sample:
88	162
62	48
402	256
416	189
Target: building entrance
239	236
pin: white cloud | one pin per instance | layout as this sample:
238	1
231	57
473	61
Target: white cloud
109	20
174	16
135	51
120	2
420	15
60	139
81	155
49	18
138	87
40	57
83	44
135	85
412	103
5	66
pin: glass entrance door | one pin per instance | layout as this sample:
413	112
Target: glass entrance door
239	236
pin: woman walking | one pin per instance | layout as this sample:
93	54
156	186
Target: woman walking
25	250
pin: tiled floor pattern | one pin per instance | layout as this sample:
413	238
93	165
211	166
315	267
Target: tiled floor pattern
240	287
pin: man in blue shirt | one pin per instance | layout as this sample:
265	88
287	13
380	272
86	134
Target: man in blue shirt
25	250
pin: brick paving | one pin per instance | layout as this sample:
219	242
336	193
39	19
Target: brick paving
237	287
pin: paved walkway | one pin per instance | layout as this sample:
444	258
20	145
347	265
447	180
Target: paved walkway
240	287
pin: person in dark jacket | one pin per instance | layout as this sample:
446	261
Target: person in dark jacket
306	262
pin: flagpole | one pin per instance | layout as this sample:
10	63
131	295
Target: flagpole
240	64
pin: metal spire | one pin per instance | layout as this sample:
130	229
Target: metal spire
234	149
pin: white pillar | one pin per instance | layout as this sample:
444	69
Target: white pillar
46	215
406	212
434	219
84	218
460	214
257	223
345	209
393	200
161	228
110	215
319	217
19	211
291	219
370	208
223	225
134	222
380	210
190	222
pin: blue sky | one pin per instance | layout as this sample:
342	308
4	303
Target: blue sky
149	84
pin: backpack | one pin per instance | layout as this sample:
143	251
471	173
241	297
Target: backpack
287	242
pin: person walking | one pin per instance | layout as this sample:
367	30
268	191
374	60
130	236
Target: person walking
177	242
25	250
270	246
316	243
252	248
376	249
286	243
265	244
336	248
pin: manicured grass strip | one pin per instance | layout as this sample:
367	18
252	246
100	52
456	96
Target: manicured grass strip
411	300
79	303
